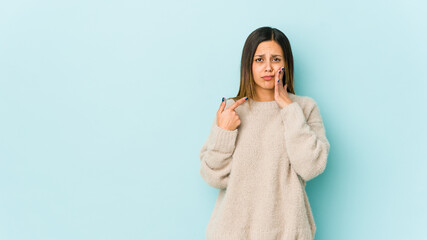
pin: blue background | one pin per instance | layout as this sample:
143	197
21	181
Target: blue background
105	105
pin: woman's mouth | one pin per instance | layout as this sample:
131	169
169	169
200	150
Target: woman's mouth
267	77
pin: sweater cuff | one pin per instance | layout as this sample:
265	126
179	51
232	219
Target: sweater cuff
293	114
222	140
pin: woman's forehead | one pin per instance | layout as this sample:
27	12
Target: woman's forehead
268	48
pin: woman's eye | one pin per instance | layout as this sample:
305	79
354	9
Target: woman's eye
278	59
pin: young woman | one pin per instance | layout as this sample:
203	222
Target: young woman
264	145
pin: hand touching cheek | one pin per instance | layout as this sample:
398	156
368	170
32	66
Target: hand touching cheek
280	94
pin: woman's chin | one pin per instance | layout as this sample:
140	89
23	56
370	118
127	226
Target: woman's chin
269	85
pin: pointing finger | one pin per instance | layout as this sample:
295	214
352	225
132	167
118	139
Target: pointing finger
237	103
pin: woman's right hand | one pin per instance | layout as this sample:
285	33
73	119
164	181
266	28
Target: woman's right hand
228	118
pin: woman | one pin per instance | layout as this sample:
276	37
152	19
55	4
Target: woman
264	145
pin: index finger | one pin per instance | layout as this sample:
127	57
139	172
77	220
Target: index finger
237	103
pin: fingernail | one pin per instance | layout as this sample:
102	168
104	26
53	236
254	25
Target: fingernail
283	69
246	98
280	71
223	99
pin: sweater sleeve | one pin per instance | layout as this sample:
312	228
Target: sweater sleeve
216	154
306	141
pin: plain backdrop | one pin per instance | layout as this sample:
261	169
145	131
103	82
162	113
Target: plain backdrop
105	105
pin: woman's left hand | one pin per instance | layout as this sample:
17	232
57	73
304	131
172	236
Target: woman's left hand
280	94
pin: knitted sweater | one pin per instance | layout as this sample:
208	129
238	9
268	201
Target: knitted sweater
261	169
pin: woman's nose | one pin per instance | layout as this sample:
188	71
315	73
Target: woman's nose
268	67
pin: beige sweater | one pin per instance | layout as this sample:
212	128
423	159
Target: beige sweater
261	169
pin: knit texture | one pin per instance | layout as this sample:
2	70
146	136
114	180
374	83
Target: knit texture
261	169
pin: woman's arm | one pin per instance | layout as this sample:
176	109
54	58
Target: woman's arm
216	154
306	141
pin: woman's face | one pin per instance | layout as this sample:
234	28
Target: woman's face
268	59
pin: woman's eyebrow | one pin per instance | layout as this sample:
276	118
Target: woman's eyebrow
274	55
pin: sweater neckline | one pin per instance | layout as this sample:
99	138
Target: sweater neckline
260	105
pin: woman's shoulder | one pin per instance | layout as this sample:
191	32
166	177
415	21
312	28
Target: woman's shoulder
231	99
307	103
